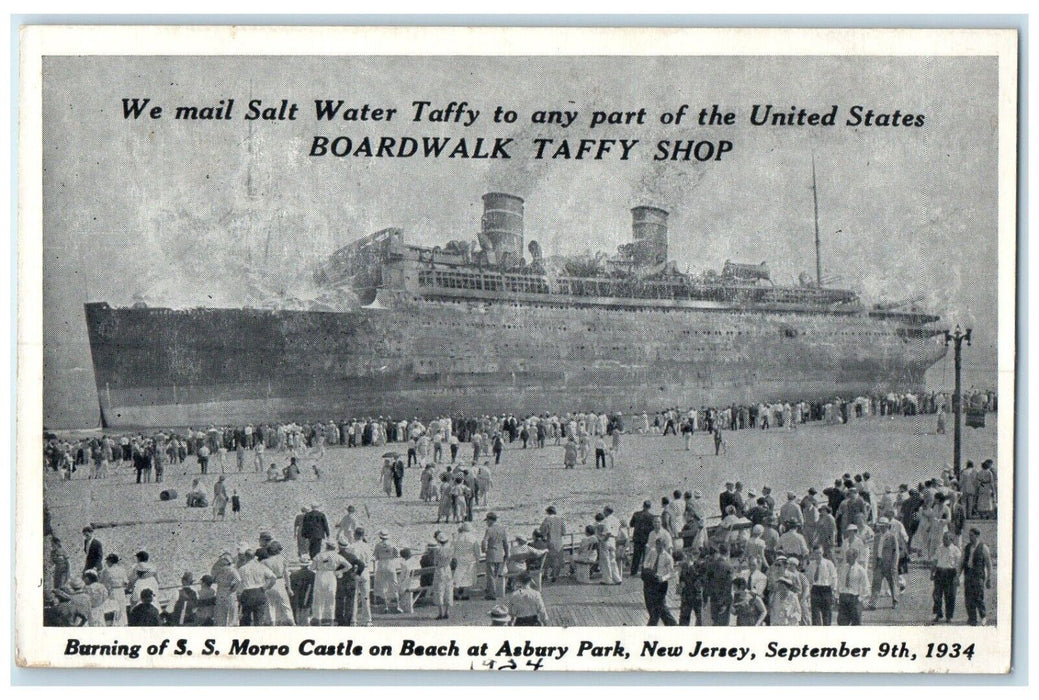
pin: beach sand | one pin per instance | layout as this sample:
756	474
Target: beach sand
894	451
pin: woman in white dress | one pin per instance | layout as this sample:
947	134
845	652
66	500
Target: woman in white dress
142	576
278	594
467	553
483	483
98	595
941	519
115	579
923	530
587	555
325	565
443	575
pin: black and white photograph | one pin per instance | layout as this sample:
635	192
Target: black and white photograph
630	335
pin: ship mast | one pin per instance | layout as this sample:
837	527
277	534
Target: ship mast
815	203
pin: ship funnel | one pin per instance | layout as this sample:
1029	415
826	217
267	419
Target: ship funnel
502	223
649	228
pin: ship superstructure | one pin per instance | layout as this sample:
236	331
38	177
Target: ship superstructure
494	325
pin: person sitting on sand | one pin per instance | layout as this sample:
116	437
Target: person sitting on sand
196	497
273	473
291	472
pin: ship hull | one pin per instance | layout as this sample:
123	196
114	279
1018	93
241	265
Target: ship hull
162	367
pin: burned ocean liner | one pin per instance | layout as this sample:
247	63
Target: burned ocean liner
497	326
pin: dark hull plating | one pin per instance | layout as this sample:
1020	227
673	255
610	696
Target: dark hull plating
164	367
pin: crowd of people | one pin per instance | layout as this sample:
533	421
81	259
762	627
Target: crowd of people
242	448
843	549
333	580
795	562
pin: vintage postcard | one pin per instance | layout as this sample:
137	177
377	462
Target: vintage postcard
362	348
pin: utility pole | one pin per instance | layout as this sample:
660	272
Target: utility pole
957	337
815	203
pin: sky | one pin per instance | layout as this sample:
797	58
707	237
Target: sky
195	213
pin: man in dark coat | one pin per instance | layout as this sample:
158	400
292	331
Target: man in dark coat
641	525
977	577
346	586
718	586
141	462
398	476
301	583
314	529
145	614
692	574
426	561
93	549
834	495
728	497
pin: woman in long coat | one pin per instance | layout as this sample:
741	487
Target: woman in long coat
446	504
228	583
387	477
986	485
219	498
923	529
427	492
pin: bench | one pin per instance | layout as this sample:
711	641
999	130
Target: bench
535	566
422	592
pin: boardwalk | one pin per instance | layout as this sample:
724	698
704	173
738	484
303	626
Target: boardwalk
573	605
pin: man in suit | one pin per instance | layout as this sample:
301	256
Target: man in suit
657	572
496	547
314	529
93	549
397	472
728	498
641	524
977	577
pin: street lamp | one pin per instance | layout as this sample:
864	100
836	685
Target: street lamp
957	337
